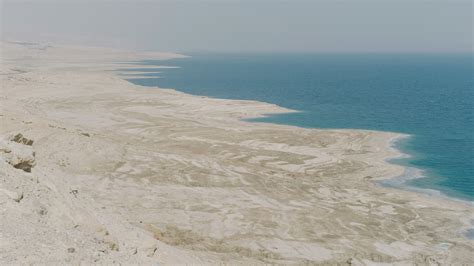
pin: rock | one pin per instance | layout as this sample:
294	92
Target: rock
19	197
349	261
42	211
74	192
24	165
71	250
19	138
5	150
113	246
17	154
111	243
151	251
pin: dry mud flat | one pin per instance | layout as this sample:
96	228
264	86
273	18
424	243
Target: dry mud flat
95	169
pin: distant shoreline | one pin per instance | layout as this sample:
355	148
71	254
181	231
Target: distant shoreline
132	74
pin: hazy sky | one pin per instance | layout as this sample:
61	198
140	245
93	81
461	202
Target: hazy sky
246	26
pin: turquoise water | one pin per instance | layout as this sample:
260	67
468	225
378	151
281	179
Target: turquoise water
427	96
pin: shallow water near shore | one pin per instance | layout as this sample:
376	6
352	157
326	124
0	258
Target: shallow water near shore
426	96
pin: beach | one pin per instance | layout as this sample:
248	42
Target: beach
106	171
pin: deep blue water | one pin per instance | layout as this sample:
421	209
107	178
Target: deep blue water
427	96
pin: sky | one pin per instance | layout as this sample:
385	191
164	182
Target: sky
245	26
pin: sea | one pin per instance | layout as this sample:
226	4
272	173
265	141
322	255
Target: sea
429	97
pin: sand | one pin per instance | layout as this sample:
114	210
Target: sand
105	171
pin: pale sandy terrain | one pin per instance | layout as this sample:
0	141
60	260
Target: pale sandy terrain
127	174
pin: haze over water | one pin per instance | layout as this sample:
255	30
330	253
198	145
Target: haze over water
425	95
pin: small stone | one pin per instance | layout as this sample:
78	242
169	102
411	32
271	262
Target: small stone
113	246
71	250
42	211
74	192
19	197
152	252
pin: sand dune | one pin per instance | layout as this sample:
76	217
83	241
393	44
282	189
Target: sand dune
109	172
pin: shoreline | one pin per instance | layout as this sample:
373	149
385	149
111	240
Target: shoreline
125	174
396	181
411	173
